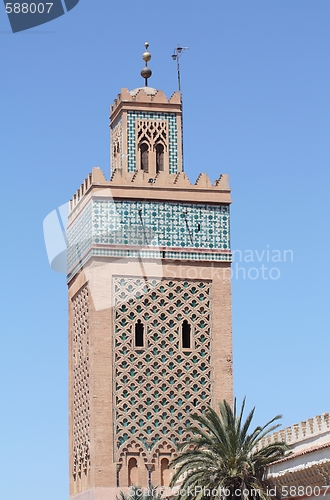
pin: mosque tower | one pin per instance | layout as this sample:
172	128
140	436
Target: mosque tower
150	339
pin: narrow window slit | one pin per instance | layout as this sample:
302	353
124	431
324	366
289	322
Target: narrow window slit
144	153
139	334
186	341
159	158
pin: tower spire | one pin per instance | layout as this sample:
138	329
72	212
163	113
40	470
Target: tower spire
146	72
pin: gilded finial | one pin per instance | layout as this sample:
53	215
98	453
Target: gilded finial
146	72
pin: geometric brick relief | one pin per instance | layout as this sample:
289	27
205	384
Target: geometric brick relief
152	132
162	362
152	142
116	145
80	410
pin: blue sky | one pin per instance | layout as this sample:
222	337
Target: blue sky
256	82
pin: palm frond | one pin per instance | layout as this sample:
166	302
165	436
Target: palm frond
224	453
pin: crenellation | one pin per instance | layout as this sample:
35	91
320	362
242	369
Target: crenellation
162	179
203	180
176	98
79	194
313	427
182	179
138	179
118	99
223	181
145	95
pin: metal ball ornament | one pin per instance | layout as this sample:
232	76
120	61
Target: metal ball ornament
146	72
146	56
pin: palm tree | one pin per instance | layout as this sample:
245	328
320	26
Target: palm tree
223	459
139	493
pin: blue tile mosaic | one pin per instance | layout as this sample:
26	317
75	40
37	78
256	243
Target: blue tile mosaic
80	236
164	224
179	229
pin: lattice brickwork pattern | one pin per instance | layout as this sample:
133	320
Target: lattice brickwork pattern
81	415
158	387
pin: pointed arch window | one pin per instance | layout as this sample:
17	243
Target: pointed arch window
186	335
144	157
132	471
139	334
159	158
164	472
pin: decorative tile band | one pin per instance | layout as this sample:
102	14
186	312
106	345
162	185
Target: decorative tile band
164	224
80	236
146	254
150	225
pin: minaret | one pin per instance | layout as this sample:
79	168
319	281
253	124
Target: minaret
149	301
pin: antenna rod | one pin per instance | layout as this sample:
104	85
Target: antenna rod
178	51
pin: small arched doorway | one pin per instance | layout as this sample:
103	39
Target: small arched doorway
132	472
164	472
